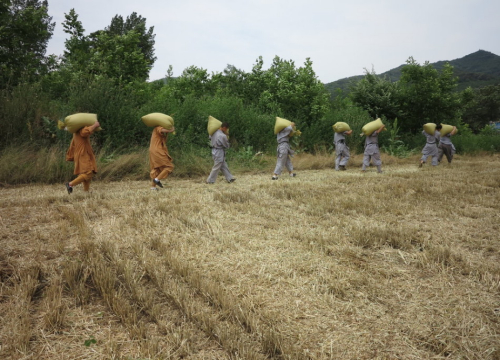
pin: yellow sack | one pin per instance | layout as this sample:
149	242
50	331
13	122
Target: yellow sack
430	128
213	125
340	127
446	129
158	119
281	124
369	128
77	121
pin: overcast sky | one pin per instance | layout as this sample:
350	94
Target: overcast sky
342	38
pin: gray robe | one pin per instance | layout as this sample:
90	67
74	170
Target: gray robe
341	149
284	151
430	148
372	152
219	144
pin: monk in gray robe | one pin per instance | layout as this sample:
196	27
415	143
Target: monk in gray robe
220	143
446	147
431	147
341	150
284	152
372	151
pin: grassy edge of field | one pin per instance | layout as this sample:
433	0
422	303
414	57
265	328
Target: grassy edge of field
32	165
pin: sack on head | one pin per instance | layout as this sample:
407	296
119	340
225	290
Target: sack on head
430	128
77	121
372	126
158	119
446	129
213	125
281	124
340	127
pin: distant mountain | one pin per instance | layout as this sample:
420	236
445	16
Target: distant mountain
476	70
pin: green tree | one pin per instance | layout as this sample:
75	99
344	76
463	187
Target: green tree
377	95
77	52
231	81
137	24
428	95
118	57
194	82
482	107
25	30
288	91
123	51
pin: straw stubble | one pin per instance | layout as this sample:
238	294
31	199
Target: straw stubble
325	265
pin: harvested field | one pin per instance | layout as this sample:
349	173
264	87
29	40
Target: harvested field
327	265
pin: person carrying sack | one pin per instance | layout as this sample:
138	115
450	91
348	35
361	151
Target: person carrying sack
81	153
219	143
284	152
372	151
431	147
160	161
446	147
341	150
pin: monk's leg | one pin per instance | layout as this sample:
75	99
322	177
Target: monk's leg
165	171
84	178
153	174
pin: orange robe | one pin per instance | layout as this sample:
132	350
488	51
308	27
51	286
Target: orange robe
160	161
80	151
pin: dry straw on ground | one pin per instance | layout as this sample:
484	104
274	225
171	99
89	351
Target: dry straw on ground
327	265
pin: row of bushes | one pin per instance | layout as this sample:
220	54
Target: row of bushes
29	114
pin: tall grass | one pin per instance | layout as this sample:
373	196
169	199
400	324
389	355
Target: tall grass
25	164
31	164
47	165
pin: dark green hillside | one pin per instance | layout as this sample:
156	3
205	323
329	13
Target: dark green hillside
476	70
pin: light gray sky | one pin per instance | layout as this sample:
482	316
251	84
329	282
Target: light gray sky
342	38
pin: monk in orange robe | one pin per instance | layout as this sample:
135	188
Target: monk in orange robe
80	151
160	161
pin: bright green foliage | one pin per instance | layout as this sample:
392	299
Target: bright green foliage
294	93
394	145
118	57
282	90
428	95
25	29
379	96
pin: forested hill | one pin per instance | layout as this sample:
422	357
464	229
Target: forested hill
476	70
